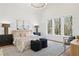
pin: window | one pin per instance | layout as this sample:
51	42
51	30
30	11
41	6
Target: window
50	26
59	26
68	25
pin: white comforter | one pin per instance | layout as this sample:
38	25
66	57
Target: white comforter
24	42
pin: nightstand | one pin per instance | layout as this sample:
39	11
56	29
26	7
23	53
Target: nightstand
74	47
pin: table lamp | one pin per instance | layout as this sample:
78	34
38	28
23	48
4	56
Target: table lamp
5	24
36	27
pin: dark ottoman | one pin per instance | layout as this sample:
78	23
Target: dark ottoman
43	42
36	45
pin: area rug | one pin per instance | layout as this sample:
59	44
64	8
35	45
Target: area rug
53	49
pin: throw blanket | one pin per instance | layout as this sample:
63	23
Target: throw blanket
21	39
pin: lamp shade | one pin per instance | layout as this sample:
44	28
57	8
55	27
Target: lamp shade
36	24
5	21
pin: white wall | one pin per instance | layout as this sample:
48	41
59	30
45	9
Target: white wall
20	11
60	10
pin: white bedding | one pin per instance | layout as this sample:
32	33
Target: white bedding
24	42
21	39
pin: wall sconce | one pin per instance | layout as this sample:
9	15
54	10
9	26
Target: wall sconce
5	24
